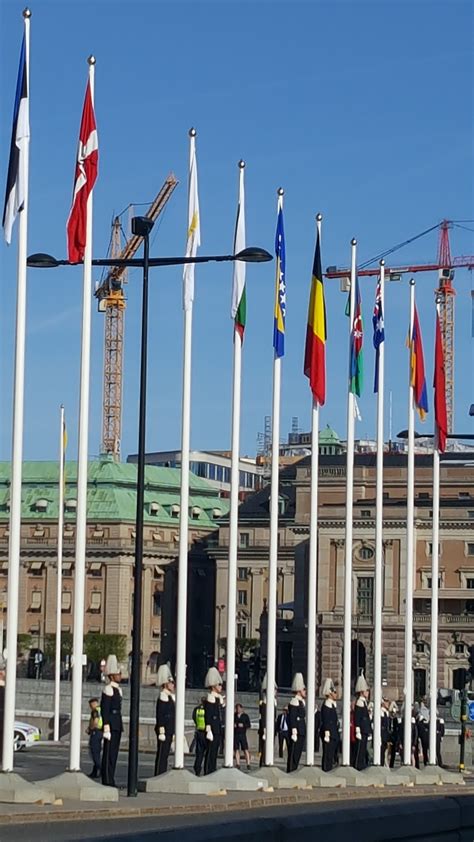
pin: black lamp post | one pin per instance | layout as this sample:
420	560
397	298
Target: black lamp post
142	226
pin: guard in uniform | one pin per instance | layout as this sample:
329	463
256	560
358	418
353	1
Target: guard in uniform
296	722
362	724
262	719
111	710
423	726
329	726
385	730
439	737
214	718
165	718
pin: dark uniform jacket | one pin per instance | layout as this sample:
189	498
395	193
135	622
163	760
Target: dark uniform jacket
214	713
329	720
165	713
297	716
362	719
111	707
385	726
262	718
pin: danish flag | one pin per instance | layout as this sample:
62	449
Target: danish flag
86	175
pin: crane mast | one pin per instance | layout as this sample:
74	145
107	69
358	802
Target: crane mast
112	302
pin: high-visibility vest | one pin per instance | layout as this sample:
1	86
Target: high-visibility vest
97	721
200	719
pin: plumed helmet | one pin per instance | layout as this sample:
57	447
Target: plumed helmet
164	675
361	685
328	687
112	667
213	678
264	683
298	682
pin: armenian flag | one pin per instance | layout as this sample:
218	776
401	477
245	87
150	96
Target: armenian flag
280	289
315	348
417	366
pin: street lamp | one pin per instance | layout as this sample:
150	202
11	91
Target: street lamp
142	226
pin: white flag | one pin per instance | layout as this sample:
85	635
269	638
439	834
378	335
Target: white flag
238	309
194	227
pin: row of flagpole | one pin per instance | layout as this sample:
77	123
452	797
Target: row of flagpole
80	249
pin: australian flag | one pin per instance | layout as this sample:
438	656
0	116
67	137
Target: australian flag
379	332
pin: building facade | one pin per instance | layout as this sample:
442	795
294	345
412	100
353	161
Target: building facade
213	466
111	515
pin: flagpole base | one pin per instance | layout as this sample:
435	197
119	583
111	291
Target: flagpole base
76	785
15	790
278	779
182	782
317	778
353	777
234	780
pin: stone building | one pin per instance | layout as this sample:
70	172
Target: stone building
111	514
456	602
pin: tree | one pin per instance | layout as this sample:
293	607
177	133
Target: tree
98	646
244	647
24	643
50	645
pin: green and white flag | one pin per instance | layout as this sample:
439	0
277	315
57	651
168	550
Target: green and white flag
239	296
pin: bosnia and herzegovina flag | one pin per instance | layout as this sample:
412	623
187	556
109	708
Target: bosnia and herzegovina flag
417	366
356	368
239	294
15	192
315	348
280	289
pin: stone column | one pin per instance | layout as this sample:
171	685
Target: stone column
339	561
388	575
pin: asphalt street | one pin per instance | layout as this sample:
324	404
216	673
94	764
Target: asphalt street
45	761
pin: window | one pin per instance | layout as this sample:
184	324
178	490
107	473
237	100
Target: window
95	569
36	568
154	508
67	568
429	582
459	648
470	514
175	510
365	595
366	553
195	512
157	600
430	549
95	602
470	583
470	606
244	541
241	630
242	597
464	495
66	601
424	495
365	512
36	600
470	549
419	646
243	574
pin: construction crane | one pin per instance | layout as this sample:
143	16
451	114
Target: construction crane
112	302
445	292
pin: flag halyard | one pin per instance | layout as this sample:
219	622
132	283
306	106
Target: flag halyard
15	191
85	178
315	347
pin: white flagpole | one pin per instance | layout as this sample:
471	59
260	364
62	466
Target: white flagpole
184	521
59	580
408	682
82	464
233	533
312	573
378	603
434	599
346	687
273	559
17	457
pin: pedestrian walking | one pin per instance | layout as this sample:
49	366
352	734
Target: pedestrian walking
165	718
297	722
282	731
241	726
329	726
200	742
213	714
94	730
111	710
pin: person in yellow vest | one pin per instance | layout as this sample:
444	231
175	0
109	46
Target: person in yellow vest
199	719
95	730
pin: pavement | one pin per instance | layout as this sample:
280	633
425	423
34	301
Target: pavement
81	820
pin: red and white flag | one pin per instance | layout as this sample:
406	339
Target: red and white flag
86	174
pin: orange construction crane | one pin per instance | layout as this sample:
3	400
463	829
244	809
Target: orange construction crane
112	302
445	292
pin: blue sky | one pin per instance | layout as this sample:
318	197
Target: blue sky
362	111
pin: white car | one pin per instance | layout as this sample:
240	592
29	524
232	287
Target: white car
25	735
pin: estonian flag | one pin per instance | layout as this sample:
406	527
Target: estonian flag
17	167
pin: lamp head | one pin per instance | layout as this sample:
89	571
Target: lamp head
42	261
141	226
253	255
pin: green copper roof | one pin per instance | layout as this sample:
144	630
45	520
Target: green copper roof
112	493
328	436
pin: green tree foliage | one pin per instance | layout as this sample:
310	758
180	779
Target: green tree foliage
98	646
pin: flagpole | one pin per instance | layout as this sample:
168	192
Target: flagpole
408	682
184	521
82	464
233	534
378	602
17	458
346	690
273	558
59	580
312	572
434	598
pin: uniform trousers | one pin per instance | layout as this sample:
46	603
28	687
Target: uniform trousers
162	754
383	753
210	760
294	753
201	746
109	758
360	756
329	754
95	746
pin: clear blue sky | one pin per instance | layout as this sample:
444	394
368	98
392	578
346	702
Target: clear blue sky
362	111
